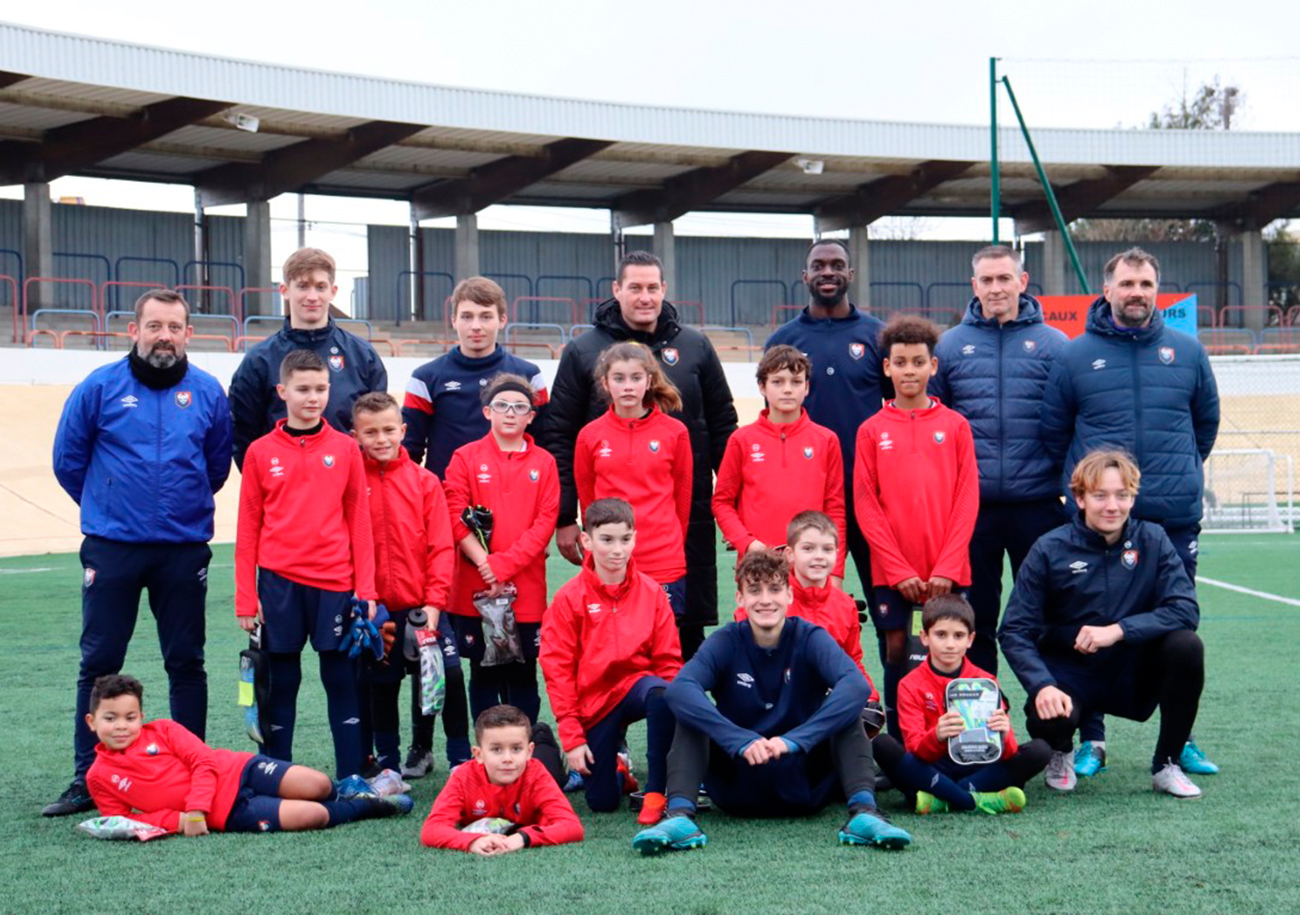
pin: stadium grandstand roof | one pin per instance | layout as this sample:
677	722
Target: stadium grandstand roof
243	131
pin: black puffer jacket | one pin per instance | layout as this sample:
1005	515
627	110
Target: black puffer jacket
690	361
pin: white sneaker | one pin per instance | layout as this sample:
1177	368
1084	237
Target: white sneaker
1060	772
1172	780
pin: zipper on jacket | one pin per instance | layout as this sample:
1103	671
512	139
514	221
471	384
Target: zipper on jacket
1002	432
783	463
157	506
1137	405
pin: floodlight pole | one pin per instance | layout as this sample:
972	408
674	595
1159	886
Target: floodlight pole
995	195
1047	189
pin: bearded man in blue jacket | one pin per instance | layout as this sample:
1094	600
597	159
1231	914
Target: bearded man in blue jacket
1133	383
142	446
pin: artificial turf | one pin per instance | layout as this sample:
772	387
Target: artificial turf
1112	846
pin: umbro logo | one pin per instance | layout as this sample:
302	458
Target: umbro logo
130	400
1098	364
1079	566
745	680
968	349
451	386
593	608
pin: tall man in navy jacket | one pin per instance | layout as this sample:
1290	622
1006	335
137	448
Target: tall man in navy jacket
1131	382
1103	620
993	370
783	734
848	383
355	368
142	446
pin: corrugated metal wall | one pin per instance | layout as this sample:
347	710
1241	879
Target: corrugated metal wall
108	234
738	279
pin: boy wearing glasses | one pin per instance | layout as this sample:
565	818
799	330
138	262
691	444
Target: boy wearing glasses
505	473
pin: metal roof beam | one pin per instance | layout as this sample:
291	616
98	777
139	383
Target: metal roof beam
73	147
1261	206
291	167
694	189
500	179
884	196
8	79
1082	198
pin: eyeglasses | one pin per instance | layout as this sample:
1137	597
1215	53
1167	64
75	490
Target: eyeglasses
509	406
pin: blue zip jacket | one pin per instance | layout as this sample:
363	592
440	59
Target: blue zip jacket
995	375
1072	578
143	464
355	369
442	409
848	381
1150	392
778	692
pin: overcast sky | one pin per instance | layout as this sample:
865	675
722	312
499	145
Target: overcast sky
1104	64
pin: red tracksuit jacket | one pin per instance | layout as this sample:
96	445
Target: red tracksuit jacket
166	772
647	463
303	514
834	611
916	493
598	640
523	491
770	472
921	704
414	554
533	802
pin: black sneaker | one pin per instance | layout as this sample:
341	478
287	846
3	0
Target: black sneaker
74	800
419	763
370	767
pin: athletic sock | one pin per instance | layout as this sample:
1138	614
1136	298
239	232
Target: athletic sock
680	806
388	749
862	800
282	702
357	808
339	679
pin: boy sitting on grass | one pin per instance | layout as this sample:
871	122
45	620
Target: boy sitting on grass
922	766
506	783
180	784
783	734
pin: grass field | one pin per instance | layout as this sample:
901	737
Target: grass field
1111	847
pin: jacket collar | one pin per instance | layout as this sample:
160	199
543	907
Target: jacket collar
855	314
611	593
1031	312
397	463
308	337
609	318
456	357
778	429
309	441
1099	322
810	597
633	424
1096	540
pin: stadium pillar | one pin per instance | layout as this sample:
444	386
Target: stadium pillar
1053	279
666	251
860	258
1254	274
38	240
257	249
466	245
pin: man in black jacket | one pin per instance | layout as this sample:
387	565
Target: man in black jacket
638	312
355	367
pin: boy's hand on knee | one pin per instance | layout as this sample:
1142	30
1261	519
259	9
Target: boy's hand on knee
580	759
194	823
1052	703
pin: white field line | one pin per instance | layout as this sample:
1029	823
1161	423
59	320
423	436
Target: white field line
25	571
1227	586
